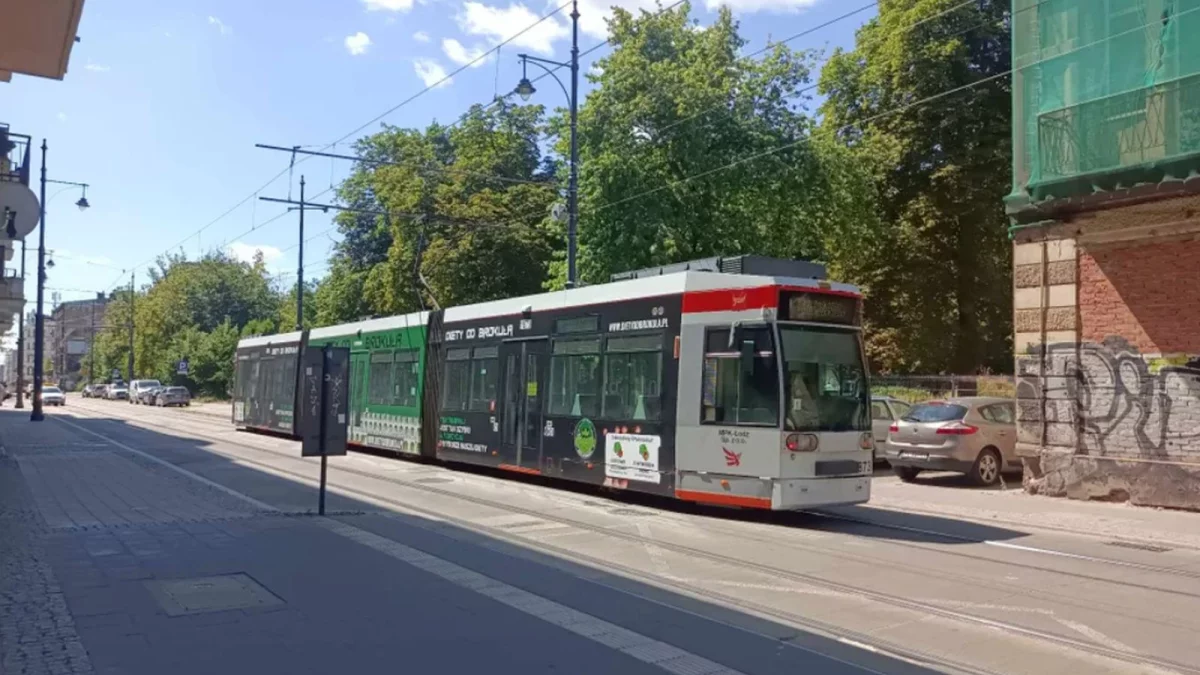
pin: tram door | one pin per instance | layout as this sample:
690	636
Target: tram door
359	368
525	366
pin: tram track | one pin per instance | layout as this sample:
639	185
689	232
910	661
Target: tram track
758	518
772	571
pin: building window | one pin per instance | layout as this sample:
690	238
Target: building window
457	390
633	378
734	395
575	378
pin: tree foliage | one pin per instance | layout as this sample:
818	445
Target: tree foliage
190	309
936	273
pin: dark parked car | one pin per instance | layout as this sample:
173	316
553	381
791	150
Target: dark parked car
168	396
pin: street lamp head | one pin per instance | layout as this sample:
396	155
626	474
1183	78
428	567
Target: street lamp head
525	89
83	204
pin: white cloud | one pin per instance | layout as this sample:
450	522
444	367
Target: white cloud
430	72
244	252
388	5
421	36
62	117
499	24
357	44
456	52
97	68
224	30
594	14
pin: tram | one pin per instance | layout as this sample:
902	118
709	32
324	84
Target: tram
732	381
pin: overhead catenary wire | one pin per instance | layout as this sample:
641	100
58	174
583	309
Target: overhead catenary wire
377	118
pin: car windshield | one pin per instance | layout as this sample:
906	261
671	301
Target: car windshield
825	379
176	390
51	390
935	412
149	384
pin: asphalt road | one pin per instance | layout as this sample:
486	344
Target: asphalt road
882	590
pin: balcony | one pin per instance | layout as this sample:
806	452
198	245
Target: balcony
12	294
14	156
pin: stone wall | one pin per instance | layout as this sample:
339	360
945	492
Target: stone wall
1108	365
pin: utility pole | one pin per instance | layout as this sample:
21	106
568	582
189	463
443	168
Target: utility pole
131	275
92	348
300	268
21	337
39	329
525	89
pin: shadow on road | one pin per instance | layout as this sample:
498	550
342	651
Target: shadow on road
756	644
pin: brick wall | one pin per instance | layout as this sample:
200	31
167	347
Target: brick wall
1147	295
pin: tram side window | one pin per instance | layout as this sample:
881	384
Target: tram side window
575	378
633	378
456	391
379	379
731	396
485	375
404	379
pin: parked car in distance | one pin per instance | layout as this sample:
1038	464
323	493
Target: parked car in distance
146	396
99	391
139	387
169	396
87	390
53	396
116	392
974	435
885	410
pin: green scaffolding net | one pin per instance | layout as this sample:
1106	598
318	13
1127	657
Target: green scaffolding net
1106	94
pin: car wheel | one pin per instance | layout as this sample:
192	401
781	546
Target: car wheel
906	473
986	470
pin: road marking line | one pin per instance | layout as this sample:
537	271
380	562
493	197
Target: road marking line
638	646
630	643
1095	635
234	493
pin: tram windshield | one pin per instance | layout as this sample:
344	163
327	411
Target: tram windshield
825	379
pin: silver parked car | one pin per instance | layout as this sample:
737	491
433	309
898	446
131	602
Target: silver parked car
885	410
168	396
972	435
53	396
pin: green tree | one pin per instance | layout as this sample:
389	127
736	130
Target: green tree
677	110
937	272
466	202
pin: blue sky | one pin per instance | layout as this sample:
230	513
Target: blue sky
164	102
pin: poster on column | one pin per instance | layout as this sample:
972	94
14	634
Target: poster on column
632	457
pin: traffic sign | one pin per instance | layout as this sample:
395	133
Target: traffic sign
182	367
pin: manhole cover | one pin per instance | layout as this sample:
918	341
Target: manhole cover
179	597
431	481
1141	547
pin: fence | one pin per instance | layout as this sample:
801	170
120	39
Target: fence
916	388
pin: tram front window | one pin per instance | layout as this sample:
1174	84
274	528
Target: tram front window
825	379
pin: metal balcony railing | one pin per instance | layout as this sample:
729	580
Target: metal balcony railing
14	156
1134	128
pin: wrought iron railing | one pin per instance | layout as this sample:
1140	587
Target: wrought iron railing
1154	124
14	156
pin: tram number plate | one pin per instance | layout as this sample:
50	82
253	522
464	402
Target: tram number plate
837	467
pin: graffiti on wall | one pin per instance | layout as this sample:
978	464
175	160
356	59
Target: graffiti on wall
1110	398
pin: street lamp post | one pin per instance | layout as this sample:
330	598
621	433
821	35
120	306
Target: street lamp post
39	325
525	90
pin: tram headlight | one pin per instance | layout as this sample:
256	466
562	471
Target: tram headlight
801	442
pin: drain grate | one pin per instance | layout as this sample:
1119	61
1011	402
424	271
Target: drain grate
1141	547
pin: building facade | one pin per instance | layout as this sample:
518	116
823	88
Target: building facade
74	327
1105	214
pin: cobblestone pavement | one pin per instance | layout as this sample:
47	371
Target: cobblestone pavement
37	633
